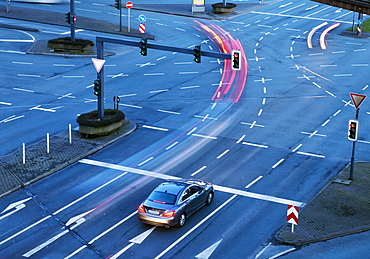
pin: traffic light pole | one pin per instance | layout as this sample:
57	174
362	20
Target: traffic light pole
100	55
100	76
353	153
71	18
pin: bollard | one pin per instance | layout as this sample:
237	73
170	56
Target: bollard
24	152
70	133
47	143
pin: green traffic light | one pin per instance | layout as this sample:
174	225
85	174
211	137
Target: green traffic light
197	54
97	86
144	46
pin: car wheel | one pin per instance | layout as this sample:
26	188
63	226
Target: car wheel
209	198
181	221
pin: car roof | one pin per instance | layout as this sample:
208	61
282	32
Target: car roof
172	187
176	186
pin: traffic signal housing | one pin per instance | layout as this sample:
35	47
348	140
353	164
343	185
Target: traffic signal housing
236	56
118	4
97	87
352	130
144	46
197	54
68	17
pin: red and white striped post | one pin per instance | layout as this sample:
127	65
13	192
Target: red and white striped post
292	215
142	28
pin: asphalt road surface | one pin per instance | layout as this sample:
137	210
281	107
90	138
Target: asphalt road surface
279	143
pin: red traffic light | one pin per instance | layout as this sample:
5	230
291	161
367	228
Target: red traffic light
236	60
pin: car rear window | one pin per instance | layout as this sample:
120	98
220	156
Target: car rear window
162	197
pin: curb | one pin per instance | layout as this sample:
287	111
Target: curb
131	128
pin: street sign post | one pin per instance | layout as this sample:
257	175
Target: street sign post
357	99
292	215
129	5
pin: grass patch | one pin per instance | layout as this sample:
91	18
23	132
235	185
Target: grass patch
365	26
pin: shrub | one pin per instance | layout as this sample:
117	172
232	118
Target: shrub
67	40
91	118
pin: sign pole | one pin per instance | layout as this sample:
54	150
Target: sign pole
128	18
120	17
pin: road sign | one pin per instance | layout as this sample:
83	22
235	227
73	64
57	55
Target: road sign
359	22
142	28
98	64
357	99
141	18
129	5
292	214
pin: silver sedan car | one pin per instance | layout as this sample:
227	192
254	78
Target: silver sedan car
173	201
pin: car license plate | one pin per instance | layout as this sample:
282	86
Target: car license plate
153	212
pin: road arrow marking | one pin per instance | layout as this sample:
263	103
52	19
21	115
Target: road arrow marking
77	219
136	240
140	238
207	253
16	206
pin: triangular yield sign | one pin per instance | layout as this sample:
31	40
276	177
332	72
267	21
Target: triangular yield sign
98	64
357	99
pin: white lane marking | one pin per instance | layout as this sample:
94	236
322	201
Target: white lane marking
172	145
63	208
130	105
154	74
66	95
223	153
14	207
252	124
335	114
326	122
310	154
168	112
127	95
42	109
240	139
313	134
63	65
283	253
278	163
253	182
155	128
22	63
216	187
199	170
195	227
136	240
159	91
295	149
301	17
188	87
11	118
200	116
102	234
203	136
5	40
188	73
146	161
254	145
208	252
5	103
191	131
24	230
28	75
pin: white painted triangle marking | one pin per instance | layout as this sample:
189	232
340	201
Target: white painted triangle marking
140	238
98	64
207	253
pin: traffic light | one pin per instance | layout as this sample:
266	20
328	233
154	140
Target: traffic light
197	54
144	46
97	86
68	17
118	4
353	130
236	58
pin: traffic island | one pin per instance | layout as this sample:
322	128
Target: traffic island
223	8
342	208
65	44
90	125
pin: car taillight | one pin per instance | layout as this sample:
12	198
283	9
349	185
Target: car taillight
141	209
168	214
